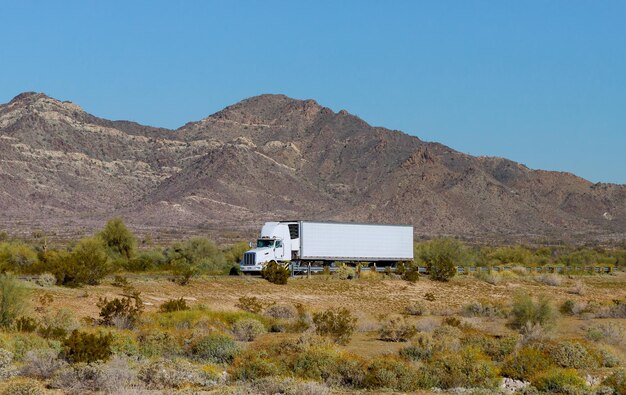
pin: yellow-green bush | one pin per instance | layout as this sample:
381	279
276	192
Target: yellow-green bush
560	381
252	366
467	368
617	381
23	386
575	355
339	324
216	347
390	373
526	363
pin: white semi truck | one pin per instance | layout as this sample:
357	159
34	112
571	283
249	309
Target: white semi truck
307	242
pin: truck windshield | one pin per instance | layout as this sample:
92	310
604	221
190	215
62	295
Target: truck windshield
264	243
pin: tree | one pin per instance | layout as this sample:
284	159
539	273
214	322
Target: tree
441	257
195	256
119	241
13	299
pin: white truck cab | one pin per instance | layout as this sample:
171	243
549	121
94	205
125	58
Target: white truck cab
274	244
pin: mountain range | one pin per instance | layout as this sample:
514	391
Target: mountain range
272	157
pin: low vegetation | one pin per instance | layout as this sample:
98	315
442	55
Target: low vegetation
88	323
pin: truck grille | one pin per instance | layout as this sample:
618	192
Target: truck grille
249	259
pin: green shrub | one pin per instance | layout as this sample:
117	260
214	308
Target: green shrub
525	363
21	343
483	309
396	329
441	256
247	329
145	261
87	347
338	324
345	272
26	324
567	307
171	373
120	281
496	348
275	273
119	241
327	365
252	366
525	311
411	275
390	373
17	257
572	355
281	312
252	304
122	313
558	380
421	349
173	305
416	308
88	263
195	256
607	358
158	344
216	348
468	368
23	386
617	381
13	300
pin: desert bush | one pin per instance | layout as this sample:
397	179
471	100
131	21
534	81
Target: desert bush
416	308
390	373
616	381
145	261
87	264
316	363
122	313
216	348
429	296
396	329
551	279
6	359
567	307
489	277
195	256
173	305
607	358
120	282
441	257
420	349
87	347
483	309
572	355
345	272
579	288
21	343
525	363
46	280
252	304
42	364
447	338
526	310
338	324
618	309
158	344
118	239
251	366
558	380
411	275
303	322
17	257
166	373
452	321
467	368
497	348
611	333
247	329
275	273
285	386
281	311
26	324
100	377
13	300
23	386
57	324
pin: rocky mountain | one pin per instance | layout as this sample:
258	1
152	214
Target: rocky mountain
273	157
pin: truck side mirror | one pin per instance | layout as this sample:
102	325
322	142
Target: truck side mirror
249	244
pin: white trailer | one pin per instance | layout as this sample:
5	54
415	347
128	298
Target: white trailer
304	242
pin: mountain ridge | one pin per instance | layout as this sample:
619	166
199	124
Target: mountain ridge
271	157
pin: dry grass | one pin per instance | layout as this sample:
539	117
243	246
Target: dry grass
367	299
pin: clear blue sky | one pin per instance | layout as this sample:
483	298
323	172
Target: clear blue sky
539	82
